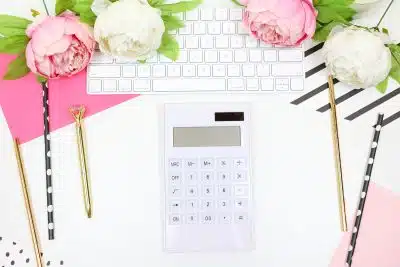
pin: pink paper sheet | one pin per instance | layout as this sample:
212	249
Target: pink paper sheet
21	101
378	243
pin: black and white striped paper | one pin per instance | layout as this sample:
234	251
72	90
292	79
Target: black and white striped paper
364	191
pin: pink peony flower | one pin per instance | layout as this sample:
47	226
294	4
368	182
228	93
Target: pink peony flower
60	46
280	22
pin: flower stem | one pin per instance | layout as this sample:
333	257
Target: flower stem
45	7
384	14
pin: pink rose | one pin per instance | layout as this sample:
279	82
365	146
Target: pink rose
281	22
60	46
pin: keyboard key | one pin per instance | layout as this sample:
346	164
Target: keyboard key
240	56
95	86
196	56
199	28
187	29
265	45
211	56
191	177
153	59
207	204
208	191
290	55
225	56
189	71
263	70
192	42
192	15
204	71
248	70
99	57
159	71
207	163
190	163
191	219
164	59
242	30
224	204
183	57
175	177
221	14
224	191
189	84
236	41
223	163
175	206
233	71
241	218
122	60
239	177
241	203
141	85
267	84
236	14
110	85
207	218
191	204
214	28
192	191
181	41
128	71
282	84
239	163
235	85
270	55
297	84
229	28
174	71
175	219
104	71
125	85
222	41
206	14
207	177
255	55
287	69
175	191
207	41
225	218
219	70
251	42
143	71
252	84
241	190
223	176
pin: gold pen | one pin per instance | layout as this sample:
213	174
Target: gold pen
338	163
78	114
28	206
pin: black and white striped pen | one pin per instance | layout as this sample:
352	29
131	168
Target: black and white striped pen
364	191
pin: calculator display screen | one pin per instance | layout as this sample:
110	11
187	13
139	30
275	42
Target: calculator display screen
212	136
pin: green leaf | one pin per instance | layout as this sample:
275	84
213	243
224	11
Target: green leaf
169	47
63	5
82	6
11	25
88	18
327	14
395	70
17	68
41	79
172	22
13	44
180	6
335	2
384	30
382	86
155	3
35	13
236	2
322	33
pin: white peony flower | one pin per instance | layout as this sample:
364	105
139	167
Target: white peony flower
128	28
357	57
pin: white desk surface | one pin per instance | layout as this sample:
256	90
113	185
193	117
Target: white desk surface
299	225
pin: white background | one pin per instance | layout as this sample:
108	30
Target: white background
295	195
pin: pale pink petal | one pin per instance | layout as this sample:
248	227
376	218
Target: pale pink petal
30	58
81	31
310	19
33	26
44	67
59	46
68	14
49	31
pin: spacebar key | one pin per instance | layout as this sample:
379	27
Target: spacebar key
188	85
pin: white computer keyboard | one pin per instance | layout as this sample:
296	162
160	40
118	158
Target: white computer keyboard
217	55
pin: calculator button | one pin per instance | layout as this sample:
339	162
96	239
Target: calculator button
191	205
207	163
223	163
192	191
175	163
224	191
241	190
207	204
175	206
207	177
241	217
223	176
239	176
208	191
175	219
191	163
224	204
241	203
191	177
239	163
191	219
225	218
175	191
175	177
207	218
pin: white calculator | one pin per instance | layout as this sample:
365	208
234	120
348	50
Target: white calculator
207	177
